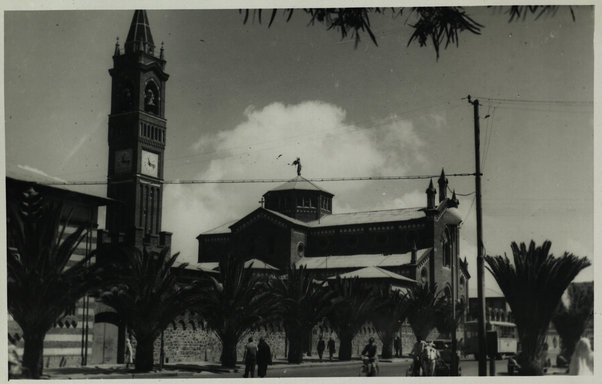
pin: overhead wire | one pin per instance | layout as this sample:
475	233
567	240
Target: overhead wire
255	181
532	101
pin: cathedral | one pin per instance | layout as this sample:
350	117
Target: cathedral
296	226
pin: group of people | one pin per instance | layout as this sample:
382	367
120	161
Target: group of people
322	346
257	354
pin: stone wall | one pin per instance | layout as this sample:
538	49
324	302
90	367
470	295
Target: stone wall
187	340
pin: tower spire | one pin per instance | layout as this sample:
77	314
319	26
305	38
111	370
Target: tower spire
139	36
117	52
430	196
442	186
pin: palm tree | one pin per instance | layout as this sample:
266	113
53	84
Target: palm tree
353	305
41	286
235	303
302	304
445	322
533	287
570	321
424	306
388	316
149	297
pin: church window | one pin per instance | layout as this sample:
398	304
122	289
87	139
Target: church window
447	248
151	98
424	275
151	205
448	293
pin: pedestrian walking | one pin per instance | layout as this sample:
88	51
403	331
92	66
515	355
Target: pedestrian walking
582	361
321	347
331	348
264	357
129	353
250	358
397	345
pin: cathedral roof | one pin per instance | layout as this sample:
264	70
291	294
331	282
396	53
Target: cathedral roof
340	219
224	228
299	183
360	261
389	215
139	33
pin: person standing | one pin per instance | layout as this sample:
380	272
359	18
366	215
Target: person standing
250	358
397	345
264	357
129	354
331	347
582	361
321	347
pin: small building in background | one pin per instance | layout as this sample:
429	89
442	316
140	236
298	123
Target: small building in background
71	341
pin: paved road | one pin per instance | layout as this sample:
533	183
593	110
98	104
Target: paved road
329	370
309	369
389	369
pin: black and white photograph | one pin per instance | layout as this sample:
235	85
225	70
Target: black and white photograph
233	190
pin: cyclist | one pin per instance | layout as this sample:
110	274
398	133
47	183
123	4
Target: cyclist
369	358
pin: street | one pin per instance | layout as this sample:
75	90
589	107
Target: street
398	367
395	368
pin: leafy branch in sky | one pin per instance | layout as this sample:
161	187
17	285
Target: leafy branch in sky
439	26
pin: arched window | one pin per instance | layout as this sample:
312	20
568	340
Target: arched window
448	293
447	248
424	276
151	98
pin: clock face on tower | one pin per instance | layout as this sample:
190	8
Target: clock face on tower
123	161
149	163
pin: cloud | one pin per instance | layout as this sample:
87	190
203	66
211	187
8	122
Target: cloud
36	174
263	146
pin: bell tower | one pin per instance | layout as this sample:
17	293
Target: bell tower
137	133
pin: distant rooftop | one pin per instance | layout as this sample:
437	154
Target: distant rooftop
32	175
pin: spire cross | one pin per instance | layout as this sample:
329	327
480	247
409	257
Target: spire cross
262	201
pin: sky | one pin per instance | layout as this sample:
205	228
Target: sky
239	95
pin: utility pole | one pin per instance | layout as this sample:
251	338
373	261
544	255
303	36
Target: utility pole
480	257
454	297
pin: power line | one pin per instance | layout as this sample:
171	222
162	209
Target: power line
460	194
531	101
256	181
